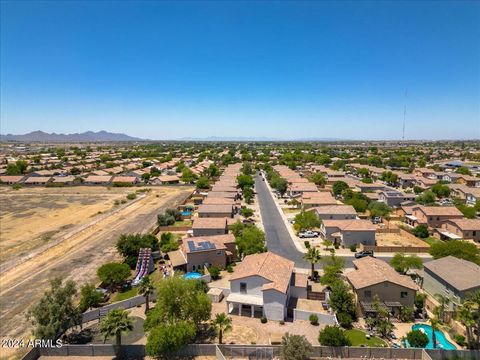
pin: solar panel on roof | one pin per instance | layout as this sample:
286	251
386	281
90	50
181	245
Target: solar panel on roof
200	246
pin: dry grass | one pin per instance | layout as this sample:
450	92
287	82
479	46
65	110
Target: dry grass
392	239
73	253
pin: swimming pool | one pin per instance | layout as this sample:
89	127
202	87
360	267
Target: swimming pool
192	275
442	342
186	213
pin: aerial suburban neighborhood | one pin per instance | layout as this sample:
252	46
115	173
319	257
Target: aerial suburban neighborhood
240	180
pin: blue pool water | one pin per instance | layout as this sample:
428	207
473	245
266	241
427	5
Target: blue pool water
192	275
442	342
186	213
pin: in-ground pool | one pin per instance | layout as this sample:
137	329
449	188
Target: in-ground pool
442	342
186	213
192	275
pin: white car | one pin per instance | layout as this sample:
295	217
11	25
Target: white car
308	234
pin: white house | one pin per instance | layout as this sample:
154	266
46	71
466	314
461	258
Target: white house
262	284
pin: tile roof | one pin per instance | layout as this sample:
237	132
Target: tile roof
350	225
371	271
459	273
270	266
209	223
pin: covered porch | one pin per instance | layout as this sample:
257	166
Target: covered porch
446	235
244	305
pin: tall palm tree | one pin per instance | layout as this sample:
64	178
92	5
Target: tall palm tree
146	289
443	301
113	324
222	323
313	257
434	323
469	315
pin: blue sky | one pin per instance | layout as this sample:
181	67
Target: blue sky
165	70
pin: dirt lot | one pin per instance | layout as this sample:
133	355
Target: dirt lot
392	239
78	239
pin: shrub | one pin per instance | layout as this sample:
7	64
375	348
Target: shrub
282	322
333	336
353	247
344	319
131	196
417	339
459	339
16	186
214	272
307	244
263	320
230	268
295	347
420	231
313	319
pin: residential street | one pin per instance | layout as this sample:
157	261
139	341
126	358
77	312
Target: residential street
279	240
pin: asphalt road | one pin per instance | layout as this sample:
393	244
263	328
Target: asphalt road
279	240
278	237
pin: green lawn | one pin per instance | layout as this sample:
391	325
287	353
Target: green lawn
358	338
186	222
432	240
126	294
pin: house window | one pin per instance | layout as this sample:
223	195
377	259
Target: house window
474	233
438	218
219	252
430	218
403	294
243	288
368	294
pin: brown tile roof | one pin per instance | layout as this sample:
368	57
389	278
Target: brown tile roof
10	178
218	240
221	194
37	179
371	271
459	273
215	208
218	201
350	225
270	266
209	223
466	224
124	179
335	209
98	179
439	210
225	188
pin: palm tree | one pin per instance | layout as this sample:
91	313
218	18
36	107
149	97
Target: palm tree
434	323
222	323
313	257
146	289
469	315
113	324
444	301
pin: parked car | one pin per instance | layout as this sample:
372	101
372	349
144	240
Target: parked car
362	254
445	202
308	234
377	220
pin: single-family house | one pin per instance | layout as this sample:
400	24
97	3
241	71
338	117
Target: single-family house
455	229
215	211
432	216
209	226
373	277
394	198
349	232
452	277
98	180
335	212
317	198
263	284
11	179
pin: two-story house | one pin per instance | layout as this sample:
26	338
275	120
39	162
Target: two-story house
454	229
262	284
432	216
375	278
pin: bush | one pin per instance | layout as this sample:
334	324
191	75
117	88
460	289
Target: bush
214	272
313	319
307	244
344	319
263	320
353	247
421	231
417	339
459	339
333	336
295	347
131	196
282	322
229	268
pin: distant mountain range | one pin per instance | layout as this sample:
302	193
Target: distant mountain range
247	138
88	136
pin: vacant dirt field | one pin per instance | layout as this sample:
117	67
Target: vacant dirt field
70	238
402	239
